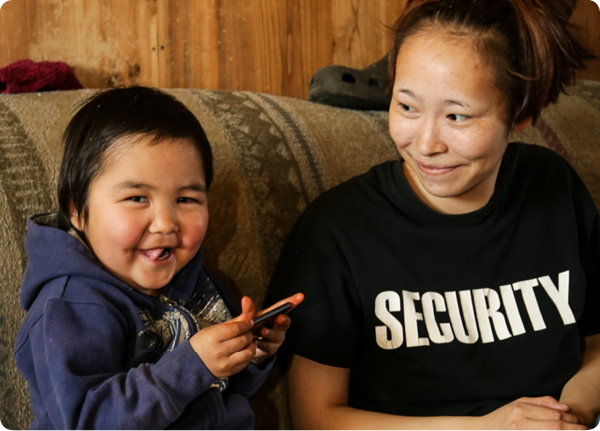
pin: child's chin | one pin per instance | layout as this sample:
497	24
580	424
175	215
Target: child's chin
152	287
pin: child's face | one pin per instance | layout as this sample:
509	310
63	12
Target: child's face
448	120
147	211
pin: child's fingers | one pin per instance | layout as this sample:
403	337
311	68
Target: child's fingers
283	322
238	343
266	348
234	328
240	318
243	356
248	307
272	335
295	300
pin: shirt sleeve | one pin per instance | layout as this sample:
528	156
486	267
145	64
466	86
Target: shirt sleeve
86	385
589	323
248	381
325	327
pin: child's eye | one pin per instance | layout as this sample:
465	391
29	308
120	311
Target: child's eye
140	199
186	200
457	117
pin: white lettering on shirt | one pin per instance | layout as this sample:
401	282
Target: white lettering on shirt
383	313
512	310
484	313
469	316
428	300
533	309
410	320
479	310
560	296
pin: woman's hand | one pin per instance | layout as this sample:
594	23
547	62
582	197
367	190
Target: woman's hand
225	348
533	413
270	339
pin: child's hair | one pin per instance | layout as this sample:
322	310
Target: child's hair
108	117
528	43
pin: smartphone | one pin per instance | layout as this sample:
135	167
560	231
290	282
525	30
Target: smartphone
268	318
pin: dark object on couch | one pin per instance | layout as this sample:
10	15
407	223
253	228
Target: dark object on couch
364	89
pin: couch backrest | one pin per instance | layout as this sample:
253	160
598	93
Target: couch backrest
273	155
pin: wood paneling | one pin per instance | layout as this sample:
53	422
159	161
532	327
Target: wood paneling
271	46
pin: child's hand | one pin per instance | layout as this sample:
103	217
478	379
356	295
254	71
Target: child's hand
271	338
226	348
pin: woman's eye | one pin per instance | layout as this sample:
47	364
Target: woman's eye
457	117
137	199
406	108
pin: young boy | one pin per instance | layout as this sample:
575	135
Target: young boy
124	328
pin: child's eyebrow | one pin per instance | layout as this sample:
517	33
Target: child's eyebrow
198	187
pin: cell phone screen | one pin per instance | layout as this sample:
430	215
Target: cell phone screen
268	318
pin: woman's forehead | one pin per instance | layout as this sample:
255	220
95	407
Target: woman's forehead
442	63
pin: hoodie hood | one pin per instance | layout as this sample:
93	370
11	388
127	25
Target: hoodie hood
53	253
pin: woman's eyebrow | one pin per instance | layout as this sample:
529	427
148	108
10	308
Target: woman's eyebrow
454	102
447	102
407	92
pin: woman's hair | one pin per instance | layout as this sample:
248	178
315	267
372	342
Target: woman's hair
105	119
528	44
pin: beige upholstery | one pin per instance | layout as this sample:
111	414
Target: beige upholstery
273	155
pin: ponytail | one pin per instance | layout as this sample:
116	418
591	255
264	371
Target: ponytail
528	43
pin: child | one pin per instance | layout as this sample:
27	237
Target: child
124	328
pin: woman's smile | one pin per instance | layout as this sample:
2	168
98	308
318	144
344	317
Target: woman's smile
448	120
435	170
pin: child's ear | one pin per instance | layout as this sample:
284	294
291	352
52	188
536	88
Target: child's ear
522	125
74	217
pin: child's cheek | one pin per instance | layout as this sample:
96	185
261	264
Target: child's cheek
195	231
127	230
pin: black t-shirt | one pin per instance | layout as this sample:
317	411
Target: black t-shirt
440	314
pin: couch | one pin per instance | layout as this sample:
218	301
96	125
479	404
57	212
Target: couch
273	155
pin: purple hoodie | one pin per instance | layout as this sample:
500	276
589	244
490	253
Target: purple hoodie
98	354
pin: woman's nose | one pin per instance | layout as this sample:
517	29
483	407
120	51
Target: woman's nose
164	221
429	142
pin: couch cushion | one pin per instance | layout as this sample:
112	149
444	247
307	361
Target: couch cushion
273	155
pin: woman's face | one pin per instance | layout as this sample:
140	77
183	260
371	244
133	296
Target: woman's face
449	121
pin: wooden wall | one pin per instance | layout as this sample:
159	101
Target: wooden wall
271	46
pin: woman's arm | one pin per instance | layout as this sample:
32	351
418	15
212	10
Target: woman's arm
319	400
582	392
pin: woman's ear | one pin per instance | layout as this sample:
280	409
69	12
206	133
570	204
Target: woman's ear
74	217
522	125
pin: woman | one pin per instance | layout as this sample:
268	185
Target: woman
456	287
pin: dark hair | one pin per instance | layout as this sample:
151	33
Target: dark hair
112	115
528	43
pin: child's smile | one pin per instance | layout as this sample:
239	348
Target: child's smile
147	211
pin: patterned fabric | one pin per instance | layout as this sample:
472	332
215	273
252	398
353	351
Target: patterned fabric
181	321
273	155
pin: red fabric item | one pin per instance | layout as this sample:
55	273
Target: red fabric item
26	76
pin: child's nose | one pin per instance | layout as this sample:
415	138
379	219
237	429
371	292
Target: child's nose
164	221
